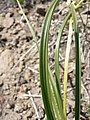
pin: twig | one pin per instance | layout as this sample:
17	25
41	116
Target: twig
88	65
34	96
35	108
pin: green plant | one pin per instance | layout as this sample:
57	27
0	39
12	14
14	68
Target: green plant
51	91
88	111
55	108
20	1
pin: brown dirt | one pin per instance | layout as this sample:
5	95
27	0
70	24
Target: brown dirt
19	69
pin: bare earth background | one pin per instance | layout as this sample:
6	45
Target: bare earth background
19	69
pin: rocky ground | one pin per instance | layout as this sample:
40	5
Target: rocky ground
20	93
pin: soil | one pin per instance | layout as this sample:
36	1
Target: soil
20	92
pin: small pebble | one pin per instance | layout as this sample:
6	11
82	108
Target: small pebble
27	75
18	108
41	10
10	105
1	28
29	113
41	113
6	92
0	112
6	87
1	83
22	80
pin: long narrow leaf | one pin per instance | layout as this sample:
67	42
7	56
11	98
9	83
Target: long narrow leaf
78	66
57	98
57	54
66	64
57	51
44	77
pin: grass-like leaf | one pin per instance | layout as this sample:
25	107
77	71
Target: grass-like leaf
57	61
51	92
44	75
78	65
20	1
57	52
66	64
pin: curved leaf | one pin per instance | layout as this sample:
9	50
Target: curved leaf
78	65
44	75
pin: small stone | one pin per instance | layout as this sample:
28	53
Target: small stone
10	105
68	109
6	59
35	81
9	14
41	113
71	67
29	105
27	75
27	3
23	19
1	28
24	112
6	92
70	116
18	108
38	83
17	30
6	87
41	10
8	22
1	74
1	83
2	14
17	88
2	99
22	80
23	88
0	112
29	113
